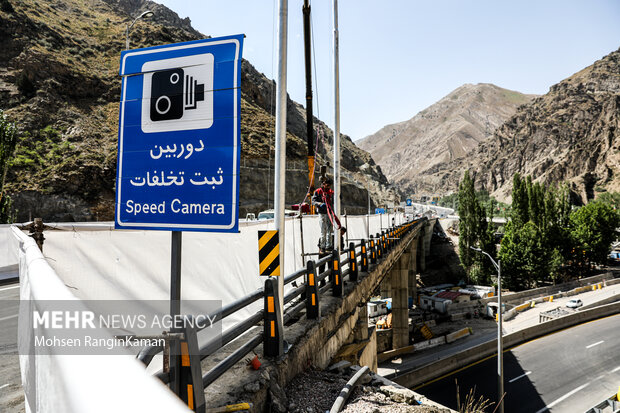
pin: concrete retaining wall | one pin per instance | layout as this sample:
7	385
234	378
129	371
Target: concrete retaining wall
421	375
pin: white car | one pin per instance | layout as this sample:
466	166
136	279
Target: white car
574	303
268	214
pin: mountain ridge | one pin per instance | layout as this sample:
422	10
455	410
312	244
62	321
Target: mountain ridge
59	82
410	151
571	134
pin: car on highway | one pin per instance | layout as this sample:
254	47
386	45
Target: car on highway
574	303
268	214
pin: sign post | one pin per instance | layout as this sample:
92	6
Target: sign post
178	146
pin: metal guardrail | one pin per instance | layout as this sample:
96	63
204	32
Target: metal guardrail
611	405
370	252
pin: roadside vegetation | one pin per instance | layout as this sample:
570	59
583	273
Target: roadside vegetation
546	240
8	140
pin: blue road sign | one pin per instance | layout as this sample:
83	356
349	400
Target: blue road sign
379	210
408	202
178	139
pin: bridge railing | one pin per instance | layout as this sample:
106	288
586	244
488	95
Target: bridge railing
357	256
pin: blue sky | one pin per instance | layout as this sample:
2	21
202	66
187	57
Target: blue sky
398	57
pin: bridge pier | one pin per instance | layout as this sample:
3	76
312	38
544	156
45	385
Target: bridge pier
413	270
360	332
400	301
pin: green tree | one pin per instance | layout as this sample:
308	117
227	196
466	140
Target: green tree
467	221
474	231
593	229
611	198
8	140
520	201
523	256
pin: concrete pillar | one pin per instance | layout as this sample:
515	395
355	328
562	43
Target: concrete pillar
386	286
428	235
421	252
400	301
361	327
413	270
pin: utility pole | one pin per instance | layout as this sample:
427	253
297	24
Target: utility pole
500	337
337	245
309	117
280	157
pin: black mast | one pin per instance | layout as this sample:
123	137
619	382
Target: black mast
309	117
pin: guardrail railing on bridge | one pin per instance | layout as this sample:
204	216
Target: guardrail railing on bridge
307	295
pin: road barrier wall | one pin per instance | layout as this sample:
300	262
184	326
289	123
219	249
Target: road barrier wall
461	359
97	383
537	293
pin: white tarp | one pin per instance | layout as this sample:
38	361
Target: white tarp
109	264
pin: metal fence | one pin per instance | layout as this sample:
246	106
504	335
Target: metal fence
357	257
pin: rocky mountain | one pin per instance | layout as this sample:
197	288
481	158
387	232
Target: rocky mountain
412	152
571	134
59	83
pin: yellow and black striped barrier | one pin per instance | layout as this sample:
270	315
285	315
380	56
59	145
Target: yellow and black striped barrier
269	253
312	292
352	262
336	275
273	329
364	257
190	371
373	251
383	243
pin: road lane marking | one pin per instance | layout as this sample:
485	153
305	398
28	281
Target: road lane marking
561	399
523	375
616	369
3	386
595	344
9	288
8	317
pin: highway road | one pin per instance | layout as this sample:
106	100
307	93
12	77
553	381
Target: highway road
569	371
11	393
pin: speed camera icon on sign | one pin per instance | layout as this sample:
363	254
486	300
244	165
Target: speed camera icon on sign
178	94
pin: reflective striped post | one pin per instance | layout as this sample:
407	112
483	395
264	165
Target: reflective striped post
273	343
373	251
352	262
379	246
384	245
191	390
336	278
364	257
312	292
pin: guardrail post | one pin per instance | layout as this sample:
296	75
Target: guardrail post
191	390
336	275
384	245
352	262
312	292
364	257
379	246
373	251
273	329
36	232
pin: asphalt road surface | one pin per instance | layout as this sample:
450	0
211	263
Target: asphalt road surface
569	371
11	393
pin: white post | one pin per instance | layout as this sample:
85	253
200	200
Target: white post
336	128
280	156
